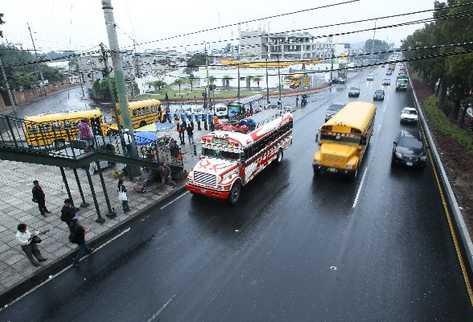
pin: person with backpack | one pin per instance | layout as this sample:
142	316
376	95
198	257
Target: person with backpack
77	236
123	196
68	213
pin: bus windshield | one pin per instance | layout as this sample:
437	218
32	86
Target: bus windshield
218	154
340	138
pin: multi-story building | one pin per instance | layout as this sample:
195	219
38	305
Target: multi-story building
302	45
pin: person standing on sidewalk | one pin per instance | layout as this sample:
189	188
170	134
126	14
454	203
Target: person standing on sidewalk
190	133
68	213
77	236
40	198
182	132
29	245
123	196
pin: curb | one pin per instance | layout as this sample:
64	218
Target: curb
452	203
62	262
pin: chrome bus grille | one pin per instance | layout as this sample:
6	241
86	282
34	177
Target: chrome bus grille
205	178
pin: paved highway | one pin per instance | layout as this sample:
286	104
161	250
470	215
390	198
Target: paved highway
295	249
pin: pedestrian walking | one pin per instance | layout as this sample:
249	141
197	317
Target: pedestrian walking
127	141
29	244
40	198
168	113
123	196
190	133
297	101
86	134
182	130
68	213
77	236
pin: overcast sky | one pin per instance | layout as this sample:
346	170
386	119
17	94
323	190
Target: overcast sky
73	24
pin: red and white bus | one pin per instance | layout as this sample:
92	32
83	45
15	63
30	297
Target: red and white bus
230	159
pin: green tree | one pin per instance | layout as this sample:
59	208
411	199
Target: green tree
190	80
179	82
257	80
157	84
100	90
226	81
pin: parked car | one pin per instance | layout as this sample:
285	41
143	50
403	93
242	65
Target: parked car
332	110
409	150
354	92
378	95
370	77
409	115
221	110
338	80
386	81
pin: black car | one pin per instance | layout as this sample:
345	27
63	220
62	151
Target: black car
332	110
354	92
378	95
409	150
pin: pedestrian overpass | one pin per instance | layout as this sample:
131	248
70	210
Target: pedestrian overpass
60	147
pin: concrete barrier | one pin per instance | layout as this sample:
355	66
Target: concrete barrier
459	226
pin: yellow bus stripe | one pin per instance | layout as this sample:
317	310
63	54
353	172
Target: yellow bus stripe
453	234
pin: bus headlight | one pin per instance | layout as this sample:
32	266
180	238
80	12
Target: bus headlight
190	176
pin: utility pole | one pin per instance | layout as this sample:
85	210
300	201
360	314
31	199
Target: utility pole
106	75
5	79
36	55
207	88
119	79
374	35
238	74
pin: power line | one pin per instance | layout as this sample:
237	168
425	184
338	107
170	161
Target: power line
243	22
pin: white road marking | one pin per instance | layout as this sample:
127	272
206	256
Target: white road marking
174	200
52	277
158	312
109	241
355	202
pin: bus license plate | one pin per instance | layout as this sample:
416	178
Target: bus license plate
409	164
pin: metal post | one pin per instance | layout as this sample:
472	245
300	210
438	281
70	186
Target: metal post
119	79
5	79
279	79
84	204
11	131
99	219
267	82
66	184
111	213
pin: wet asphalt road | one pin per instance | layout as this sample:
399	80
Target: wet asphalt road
295	249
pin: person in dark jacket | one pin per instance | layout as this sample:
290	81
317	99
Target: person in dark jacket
40	198
190	132
77	236
68	213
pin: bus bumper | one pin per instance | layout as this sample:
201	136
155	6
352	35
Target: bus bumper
324	169
216	194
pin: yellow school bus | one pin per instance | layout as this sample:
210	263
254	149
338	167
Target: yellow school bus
58	128
344	138
142	113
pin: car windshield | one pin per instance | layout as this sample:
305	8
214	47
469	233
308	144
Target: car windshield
412	112
379	92
354	89
217	154
410	142
340	138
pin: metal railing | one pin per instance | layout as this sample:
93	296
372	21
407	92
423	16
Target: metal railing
60	139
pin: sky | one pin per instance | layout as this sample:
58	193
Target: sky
79	25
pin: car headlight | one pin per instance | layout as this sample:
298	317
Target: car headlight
399	155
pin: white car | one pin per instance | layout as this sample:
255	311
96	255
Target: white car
409	115
290	108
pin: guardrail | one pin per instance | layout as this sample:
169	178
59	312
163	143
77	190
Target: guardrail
458	223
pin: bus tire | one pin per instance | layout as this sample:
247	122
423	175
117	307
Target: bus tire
142	123
235	193
354	174
316	170
280	156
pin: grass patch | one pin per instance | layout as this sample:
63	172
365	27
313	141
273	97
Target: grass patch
444	126
197	93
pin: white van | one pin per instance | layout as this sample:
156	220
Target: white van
220	110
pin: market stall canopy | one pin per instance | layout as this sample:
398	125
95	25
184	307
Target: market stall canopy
156	127
144	138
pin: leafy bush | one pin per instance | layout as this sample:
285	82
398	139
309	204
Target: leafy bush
444	126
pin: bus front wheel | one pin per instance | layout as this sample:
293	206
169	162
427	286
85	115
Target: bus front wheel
235	193
143	123
279	156
354	174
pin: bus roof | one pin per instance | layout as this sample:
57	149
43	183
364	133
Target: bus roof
142	103
355	115
88	114
251	137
